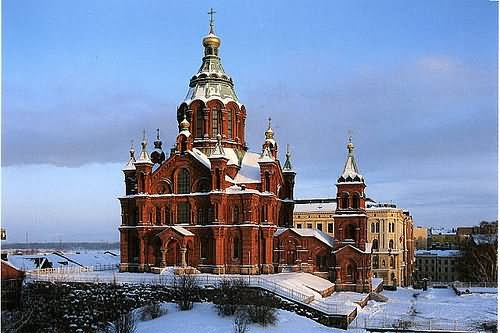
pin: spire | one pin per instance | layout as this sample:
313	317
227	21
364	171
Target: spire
351	172
130	164
157	142
144	156
287	167
157	155
269	132
218	150
211	81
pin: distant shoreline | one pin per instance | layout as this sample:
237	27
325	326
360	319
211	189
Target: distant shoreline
64	245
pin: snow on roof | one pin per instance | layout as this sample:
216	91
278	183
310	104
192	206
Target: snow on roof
200	157
483	239
320	235
182	230
249	169
439	253
441	231
327	207
92	258
30	262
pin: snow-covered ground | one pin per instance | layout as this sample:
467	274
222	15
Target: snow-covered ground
439	305
203	318
436	304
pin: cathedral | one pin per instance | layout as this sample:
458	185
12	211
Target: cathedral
211	205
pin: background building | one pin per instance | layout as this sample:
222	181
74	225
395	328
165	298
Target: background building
438	265
390	231
442	239
420	234
315	214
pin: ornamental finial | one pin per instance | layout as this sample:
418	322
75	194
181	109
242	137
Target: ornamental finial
212	21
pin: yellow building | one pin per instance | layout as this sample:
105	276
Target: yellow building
390	231
315	214
420	238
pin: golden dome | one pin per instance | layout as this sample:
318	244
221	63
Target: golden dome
184	124
350	145
211	40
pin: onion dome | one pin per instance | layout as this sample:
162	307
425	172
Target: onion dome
184	125
130	164
211	81
144	156
287	167
351	172
157	156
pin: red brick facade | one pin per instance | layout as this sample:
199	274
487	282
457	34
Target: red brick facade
215	206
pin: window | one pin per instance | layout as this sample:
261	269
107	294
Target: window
383	263
183	182
391	244
330	228
158	215
373	227
299	225
166	216
319	226
377	227
215	122
392	262
375	244
236	247
183	213
375	262
345	200
217	179
199	123
236	215
267	182
230	124
203	186
203	248
309	225
355	200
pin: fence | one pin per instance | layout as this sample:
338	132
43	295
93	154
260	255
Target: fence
469	285
204	280
72	269
404	324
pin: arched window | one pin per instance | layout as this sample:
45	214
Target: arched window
183	213
375	244
373	227
267	182
215	122
166	216
183	183
375	262
377	227
393	227
199	122
236	247
230	124
217	179
391	244
345	200
392	262
203	186
236	215
355	200
203	248
202	218
158	215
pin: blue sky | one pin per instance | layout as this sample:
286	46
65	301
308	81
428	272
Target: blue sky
416	82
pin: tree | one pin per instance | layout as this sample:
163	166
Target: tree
479	261
186	291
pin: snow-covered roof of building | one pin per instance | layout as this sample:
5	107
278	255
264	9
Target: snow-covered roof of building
439	253
320	235
441	231
484	239
182	231
30	262
92	258
326	207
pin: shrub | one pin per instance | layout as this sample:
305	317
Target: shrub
240	322
186	291
262	314
230	296
125	323
151	311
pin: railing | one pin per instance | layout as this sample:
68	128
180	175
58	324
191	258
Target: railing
406	323
72	269
469	285
205	280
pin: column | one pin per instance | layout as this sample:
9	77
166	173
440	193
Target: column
163	252
183	256
206	121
